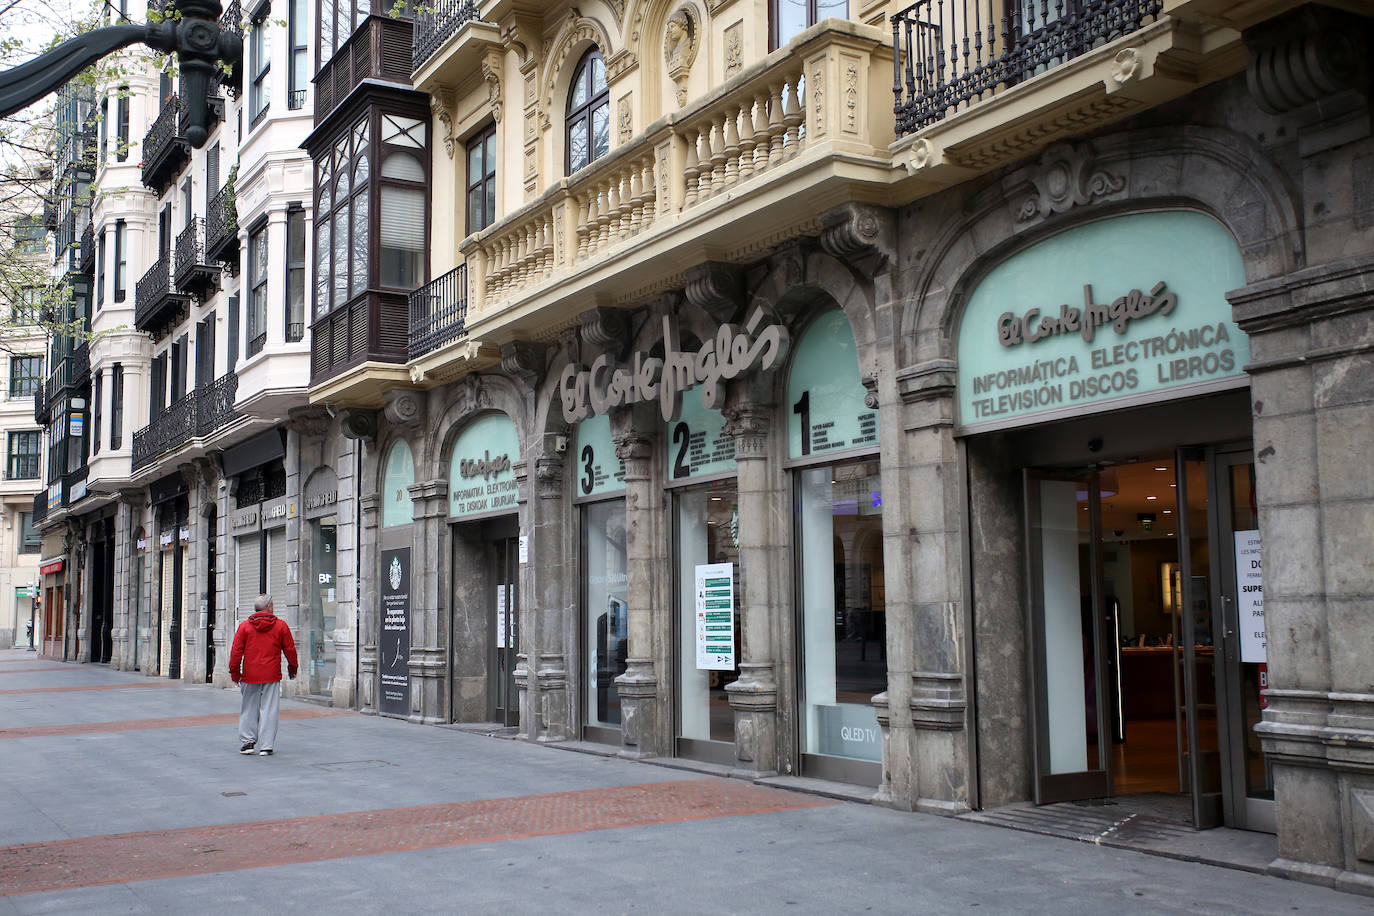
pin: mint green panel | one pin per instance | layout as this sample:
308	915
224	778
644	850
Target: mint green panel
1127	309
825	399
481	476
599	470
696	443
399	474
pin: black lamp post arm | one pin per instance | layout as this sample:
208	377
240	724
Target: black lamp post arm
195	38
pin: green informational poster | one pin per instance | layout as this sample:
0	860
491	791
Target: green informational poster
399	474
1123	310
696	441
598	468
481	479
824	394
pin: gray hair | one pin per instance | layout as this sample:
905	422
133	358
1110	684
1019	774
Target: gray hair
263	603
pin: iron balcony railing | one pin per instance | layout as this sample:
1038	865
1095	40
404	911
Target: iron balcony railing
256	343
171	428
435	24
215	404
163	131
81	363
232	22
953	54
193	272
437	312
221	224
88	246
152	290
295	100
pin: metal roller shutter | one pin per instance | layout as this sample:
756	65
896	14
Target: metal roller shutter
248	573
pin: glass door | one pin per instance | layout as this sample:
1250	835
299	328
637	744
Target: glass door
505	615
1248	778
1065	637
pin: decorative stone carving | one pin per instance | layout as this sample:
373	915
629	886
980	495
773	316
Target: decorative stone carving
356	423
523	359
937	700
624	120
922	154
734	49
491	72
856	231
1064	178
439	106
681	38
1126	66
548	477
715	286
749	425
308	421
404	408
870	383
1313	64
605	329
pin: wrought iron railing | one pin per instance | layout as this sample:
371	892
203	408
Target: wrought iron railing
437	312
190	252
152	289
214	106
953	54
81	363
435	24
160	136
256	343
295	100
170	428
295	331
215	404
232	22
88	246
221	221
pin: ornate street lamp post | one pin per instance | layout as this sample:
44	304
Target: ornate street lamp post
195	38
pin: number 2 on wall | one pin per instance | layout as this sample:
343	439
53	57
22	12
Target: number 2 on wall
681	435
803	408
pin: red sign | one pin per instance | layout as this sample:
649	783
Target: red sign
1263	685
54	567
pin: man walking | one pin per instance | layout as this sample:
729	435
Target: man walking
255	665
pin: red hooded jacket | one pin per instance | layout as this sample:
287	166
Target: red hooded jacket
258	646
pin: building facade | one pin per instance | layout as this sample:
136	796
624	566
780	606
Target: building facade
639	379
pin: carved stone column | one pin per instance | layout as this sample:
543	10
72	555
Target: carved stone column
924	710
754	696
429	690
642	731
128	514
369	623
546	576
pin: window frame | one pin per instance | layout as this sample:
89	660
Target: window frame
121	261
100	270
295	229
18	362
117	406
122	125
13	455
775	39
481	139
587	110
30	540
260	66
298	47
255	328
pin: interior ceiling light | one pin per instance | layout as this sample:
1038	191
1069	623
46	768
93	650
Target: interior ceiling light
1161	469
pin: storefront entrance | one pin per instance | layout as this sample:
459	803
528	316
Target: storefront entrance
503	617
1146	634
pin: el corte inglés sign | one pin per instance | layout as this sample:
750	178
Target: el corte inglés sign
1039	338
732	350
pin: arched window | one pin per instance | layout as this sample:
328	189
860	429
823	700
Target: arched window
588	123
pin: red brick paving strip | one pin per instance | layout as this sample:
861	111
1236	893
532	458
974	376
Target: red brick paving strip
121	858
132	725
158	683
32	670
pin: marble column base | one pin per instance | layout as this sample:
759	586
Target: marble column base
428	685
552	678
638	689
754	700
367	681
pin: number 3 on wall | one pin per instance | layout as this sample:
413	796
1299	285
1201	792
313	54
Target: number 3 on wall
586	482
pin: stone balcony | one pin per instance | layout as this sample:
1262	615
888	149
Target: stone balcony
728	177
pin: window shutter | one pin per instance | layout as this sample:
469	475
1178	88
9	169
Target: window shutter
248	566
233	332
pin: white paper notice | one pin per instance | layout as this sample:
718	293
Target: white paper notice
715	591
1250	596
524	549
500	616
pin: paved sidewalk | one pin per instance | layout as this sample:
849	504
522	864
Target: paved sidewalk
136	801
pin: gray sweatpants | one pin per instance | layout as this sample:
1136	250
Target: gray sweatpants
258	714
